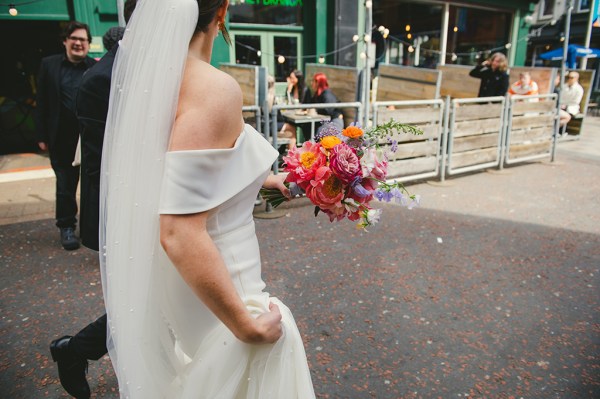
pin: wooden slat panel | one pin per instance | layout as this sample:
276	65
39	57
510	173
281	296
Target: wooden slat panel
398	71
477	111
525	150
409	115
475	157
397	83
457	83
246	77
521	107
478	126
519	122
528	135
417	149
411	167
469	143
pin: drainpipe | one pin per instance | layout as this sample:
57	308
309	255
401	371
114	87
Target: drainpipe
444	34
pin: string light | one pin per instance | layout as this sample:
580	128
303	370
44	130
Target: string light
355	38
321	59
455	29
363	56
407	27
12	10
411	49
259	53
409	36
367	38
281	59
368	4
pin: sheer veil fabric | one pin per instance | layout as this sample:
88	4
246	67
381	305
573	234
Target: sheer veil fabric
145	86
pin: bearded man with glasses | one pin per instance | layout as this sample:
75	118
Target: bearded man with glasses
56	123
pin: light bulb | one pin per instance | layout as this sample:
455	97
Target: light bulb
355	38
386	33
259	53
508	45
368	4
381	28
281	59
407	27
362	56
455	29
12	10
409	36
367	38
321	59
454	57
411	49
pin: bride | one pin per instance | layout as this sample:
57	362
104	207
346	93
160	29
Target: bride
187	314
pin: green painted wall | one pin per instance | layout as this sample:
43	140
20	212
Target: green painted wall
55	10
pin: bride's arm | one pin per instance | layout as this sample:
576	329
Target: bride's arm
209	115
194	254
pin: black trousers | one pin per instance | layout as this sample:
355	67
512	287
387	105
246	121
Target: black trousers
62	153
90	342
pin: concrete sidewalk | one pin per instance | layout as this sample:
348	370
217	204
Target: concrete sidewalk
489	290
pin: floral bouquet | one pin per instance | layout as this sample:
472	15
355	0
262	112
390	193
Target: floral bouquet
342	171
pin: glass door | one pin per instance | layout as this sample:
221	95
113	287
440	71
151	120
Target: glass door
279	52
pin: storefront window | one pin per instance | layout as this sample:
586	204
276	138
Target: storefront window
474	33
415	28
414	32
272	12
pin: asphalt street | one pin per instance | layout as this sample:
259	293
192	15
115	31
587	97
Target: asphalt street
489	290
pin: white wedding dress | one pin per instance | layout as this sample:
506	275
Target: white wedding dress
225	183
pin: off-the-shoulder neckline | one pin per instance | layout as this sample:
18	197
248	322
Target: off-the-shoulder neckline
235	145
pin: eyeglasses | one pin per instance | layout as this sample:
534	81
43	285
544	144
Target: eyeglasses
77	39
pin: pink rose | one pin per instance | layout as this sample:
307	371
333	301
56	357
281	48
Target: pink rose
344	162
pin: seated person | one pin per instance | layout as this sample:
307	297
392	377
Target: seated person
571	97
297	93
524	86
323	94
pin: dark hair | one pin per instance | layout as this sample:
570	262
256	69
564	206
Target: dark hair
301	83
128	9
207	9
73	26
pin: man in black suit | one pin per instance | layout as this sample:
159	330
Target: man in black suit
71	353
56	124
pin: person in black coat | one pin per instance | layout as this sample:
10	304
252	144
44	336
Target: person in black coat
72	352
493	75
56	125
323	94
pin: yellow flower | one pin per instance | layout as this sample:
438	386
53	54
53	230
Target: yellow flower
307	159
328	142
352	132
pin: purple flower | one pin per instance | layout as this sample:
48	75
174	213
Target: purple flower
383	195
358	188
328	129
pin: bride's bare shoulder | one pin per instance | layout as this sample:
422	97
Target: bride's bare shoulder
206	85
209	112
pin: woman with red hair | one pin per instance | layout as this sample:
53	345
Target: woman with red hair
323	94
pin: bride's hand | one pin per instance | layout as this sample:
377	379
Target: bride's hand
268	326
276	182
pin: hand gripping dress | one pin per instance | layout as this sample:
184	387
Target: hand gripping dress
225	183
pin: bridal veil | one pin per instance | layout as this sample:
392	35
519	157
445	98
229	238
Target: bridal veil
143	101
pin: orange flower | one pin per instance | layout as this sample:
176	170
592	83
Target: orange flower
328	142
352	132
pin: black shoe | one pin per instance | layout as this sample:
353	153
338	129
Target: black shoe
71	368
68	239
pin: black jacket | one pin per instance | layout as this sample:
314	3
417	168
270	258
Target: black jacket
327	96
48	98
493	83
92	109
